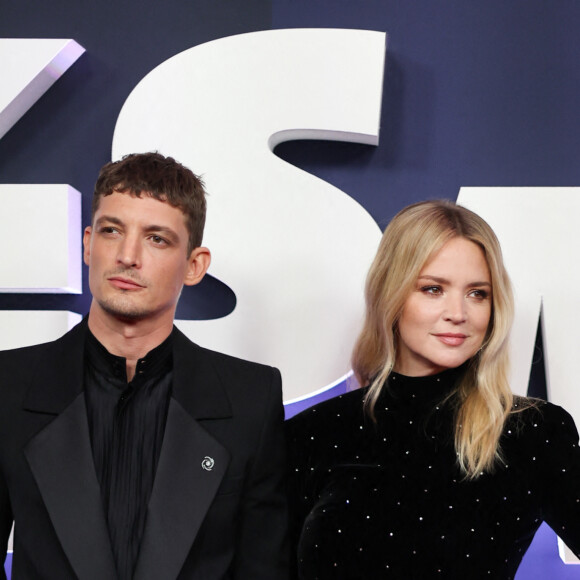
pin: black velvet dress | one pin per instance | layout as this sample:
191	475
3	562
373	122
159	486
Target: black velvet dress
387	500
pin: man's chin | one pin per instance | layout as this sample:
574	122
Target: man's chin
124	312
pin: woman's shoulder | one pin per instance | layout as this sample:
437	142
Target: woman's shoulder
340	412
541	417
350	403
334	431
532	408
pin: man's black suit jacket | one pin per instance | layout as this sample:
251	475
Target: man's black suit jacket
217	508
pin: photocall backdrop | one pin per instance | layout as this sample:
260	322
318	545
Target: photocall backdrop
478	99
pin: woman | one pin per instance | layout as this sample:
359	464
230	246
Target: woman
432	469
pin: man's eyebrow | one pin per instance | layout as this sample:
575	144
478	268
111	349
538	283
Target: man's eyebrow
109	218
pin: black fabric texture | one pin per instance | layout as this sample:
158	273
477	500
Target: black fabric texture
387	499
126	423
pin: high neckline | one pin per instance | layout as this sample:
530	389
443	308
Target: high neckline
425	389
156	361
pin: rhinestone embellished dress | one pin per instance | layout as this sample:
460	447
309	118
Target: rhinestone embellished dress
387	500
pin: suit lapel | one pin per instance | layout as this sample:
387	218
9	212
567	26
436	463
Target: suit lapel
191	465
182	494
190	469
61	459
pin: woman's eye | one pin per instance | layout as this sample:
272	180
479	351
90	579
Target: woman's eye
479	294
434	290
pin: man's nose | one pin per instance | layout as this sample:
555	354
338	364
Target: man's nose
130	252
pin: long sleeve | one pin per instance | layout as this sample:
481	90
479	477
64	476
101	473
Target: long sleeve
559	457
5	520
388	498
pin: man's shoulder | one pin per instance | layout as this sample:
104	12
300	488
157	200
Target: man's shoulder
28	353
243	383
33	350
223	361
205	377
20	367
235	363
17	364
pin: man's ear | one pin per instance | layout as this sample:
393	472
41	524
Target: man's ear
87	244
197	265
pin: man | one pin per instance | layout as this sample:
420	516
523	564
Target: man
127	451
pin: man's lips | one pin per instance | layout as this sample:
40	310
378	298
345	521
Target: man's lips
451	338
125	283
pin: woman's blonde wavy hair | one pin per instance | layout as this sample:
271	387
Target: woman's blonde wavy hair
483	398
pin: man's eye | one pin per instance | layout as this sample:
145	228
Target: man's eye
158	240
108	230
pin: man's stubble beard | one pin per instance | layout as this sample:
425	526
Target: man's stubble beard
121	305
124	309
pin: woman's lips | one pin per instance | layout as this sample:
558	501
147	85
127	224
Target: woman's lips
125	283
452	339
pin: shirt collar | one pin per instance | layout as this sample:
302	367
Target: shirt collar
155	362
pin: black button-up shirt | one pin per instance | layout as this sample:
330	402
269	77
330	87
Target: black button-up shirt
126	422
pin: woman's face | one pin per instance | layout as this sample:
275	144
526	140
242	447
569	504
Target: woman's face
445	318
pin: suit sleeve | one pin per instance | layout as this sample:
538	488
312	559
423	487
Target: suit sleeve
6	520
262	552
6	515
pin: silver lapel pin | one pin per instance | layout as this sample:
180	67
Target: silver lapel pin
208	463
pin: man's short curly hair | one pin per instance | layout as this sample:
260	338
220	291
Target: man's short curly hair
159	177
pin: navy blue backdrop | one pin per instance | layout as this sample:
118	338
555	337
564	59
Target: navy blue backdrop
476	94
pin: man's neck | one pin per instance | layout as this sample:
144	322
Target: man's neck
130	339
